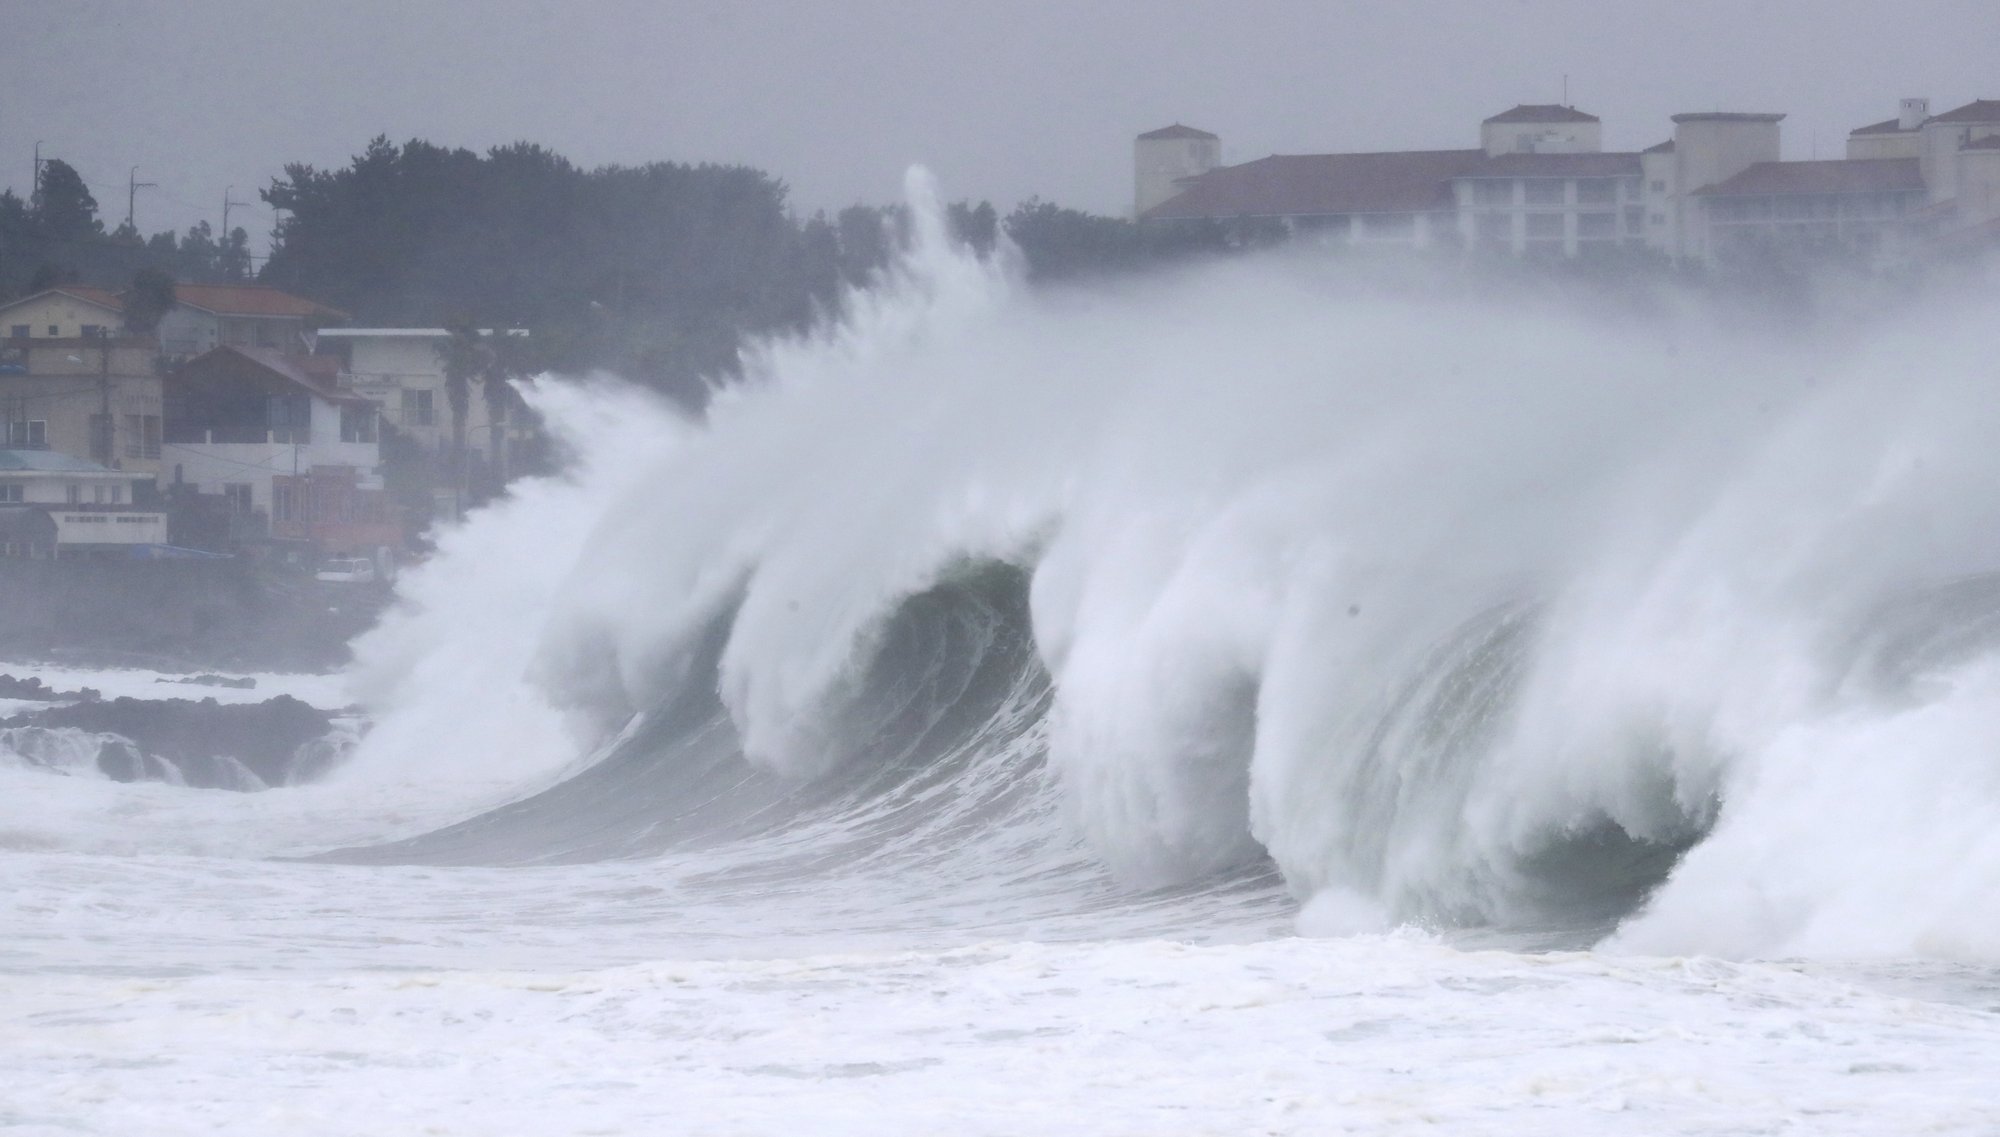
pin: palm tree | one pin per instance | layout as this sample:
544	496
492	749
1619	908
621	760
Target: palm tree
465	357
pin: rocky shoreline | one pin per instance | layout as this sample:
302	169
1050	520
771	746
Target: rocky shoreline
200	743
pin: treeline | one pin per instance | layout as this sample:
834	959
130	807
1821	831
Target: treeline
55	237
654	271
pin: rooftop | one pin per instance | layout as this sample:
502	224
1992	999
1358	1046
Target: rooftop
316	374
1886	126
1666	147
83	292
1542	112
1176	131
1305	185
1727	116
1839	175
1991	142
251	300
1978	110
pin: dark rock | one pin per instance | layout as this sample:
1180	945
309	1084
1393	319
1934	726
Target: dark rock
206	680
210	744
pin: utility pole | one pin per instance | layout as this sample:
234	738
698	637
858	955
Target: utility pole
132	187
226	203
35	199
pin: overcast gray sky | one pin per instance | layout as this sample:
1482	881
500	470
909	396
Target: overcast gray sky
1001	99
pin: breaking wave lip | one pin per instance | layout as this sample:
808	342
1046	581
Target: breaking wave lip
1556	627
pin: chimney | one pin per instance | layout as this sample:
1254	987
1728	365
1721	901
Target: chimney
1911	113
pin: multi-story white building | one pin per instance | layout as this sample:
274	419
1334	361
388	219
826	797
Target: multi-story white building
1541	185
401	370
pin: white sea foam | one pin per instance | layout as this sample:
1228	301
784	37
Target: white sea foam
1486	618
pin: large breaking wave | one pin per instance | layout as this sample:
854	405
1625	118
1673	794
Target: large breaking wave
1468	611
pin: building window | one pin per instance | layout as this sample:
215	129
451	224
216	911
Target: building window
142	436
73	494
1545	225
11	492
1496	228
1544	191
101	438
1387	225
1492	191
18	331
93	331
290	417
26	434
54	330
1596	191
1635	218
237	494
357	423
417	409
1596	226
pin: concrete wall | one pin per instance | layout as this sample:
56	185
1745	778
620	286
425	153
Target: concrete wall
1940	157
1712	148
1903	144
188	331
1541	137
66	385
53	488
1978	186
108	527
1158	163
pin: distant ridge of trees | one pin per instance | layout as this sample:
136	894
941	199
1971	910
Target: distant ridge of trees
654	271
58	239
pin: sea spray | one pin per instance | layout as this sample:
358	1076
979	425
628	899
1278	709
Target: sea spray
1462	609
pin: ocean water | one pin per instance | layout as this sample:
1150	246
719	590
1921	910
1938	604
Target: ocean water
1278	697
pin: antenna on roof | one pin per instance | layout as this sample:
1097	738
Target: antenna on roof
1565	88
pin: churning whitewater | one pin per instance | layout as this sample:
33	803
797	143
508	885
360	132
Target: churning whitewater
1458	612
1057	654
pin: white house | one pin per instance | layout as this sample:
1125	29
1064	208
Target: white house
89	508
239	417
401	370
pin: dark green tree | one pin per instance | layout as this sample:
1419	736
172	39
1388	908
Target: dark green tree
148	299
64	209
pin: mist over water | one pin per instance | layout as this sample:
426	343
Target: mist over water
1454	606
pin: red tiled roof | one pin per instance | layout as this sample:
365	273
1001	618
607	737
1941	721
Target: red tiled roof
83	292
1886	126
1839	175
1175	131
300	370
1307	185
98	296
1612	165
252	300
1542	112
1978	110
1666	147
